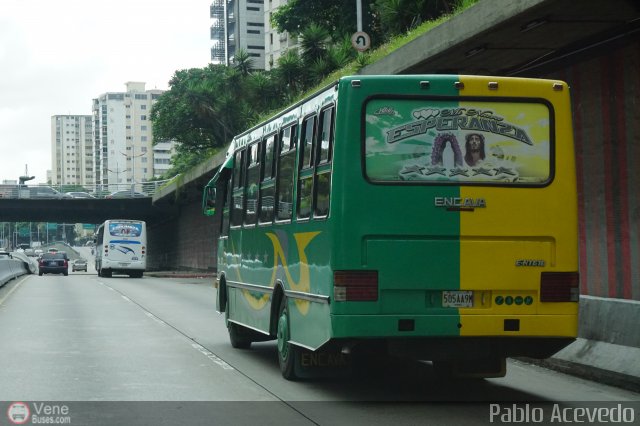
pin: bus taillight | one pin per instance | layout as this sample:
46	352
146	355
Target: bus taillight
351	286
559	287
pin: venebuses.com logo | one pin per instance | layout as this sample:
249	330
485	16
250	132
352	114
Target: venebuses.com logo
18	413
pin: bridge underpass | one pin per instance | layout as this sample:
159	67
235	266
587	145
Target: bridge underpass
84	210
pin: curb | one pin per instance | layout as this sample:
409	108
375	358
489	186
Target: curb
165	274
607	363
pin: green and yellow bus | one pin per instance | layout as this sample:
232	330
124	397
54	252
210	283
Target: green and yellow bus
427	216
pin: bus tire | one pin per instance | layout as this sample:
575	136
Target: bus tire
287	353
236	336
106	273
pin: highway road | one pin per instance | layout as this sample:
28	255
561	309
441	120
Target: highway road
108	340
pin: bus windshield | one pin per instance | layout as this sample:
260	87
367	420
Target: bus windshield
462	141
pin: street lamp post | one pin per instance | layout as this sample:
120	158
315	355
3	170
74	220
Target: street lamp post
133	157
117	171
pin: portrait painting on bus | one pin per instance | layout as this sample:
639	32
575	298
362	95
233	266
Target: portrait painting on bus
463	142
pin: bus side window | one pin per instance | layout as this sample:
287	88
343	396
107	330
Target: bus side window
305	183
267	187
286	165
226	209
323	169
238	189
306	141
326	136
252	185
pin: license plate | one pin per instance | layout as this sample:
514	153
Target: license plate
457	299
123	264
53	263
134	258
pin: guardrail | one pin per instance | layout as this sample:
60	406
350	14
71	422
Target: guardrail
15	266
128	190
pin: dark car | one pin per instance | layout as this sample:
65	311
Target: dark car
53	263
41	192
79	265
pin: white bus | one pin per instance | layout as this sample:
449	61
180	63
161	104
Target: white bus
121	247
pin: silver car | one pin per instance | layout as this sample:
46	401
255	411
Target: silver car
79	265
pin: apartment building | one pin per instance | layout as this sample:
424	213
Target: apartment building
72	150
238	24
162	153
275	43
123	138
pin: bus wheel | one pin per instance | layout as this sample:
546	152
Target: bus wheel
236	336
287	353
106	273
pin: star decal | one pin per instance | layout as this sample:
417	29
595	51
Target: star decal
456	172
435	170
412	169
482	171
504	170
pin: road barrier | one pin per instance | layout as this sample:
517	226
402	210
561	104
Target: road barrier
12	267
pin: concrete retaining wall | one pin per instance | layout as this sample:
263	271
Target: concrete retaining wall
12	268
187	243
610	320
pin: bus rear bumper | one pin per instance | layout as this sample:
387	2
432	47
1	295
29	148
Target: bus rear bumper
446	336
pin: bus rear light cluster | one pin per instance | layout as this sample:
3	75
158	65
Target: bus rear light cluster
106	250
559	287
355	286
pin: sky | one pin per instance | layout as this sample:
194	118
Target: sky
56	56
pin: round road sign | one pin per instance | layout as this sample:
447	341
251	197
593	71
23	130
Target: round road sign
360	41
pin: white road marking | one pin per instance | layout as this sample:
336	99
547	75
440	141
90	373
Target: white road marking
12	290
155	318
211	356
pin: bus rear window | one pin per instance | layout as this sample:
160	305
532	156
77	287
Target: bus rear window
464	142
125	229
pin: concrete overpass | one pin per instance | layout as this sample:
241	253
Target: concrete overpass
82	210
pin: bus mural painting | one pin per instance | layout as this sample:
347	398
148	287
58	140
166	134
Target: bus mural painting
408	219
518	146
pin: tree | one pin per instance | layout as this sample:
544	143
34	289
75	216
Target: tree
290	72
198	109
337	16
243	62
397	16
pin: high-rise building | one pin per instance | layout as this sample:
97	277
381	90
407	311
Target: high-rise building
162	153
123	138
72	150
275	43
237	24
